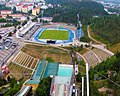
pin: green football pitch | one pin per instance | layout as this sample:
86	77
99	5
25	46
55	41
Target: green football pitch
55	35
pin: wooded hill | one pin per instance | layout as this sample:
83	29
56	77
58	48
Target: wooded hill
67	11
107	27
107	74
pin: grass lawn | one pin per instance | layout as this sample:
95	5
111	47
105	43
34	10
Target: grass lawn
19	72
114	48
42	52
55	35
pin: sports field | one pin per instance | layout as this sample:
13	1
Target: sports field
55	34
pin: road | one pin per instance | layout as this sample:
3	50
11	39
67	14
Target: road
87	73
19	47
88	31
99	46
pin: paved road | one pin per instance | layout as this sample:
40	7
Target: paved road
87	72
19	47
99	46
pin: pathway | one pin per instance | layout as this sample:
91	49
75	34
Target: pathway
88	31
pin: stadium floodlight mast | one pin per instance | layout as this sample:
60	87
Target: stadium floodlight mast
82	86
42	12
78	16
87	77
79	22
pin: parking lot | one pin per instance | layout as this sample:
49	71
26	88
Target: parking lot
6	53
4	31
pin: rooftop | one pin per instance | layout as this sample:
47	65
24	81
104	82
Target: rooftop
25	6
5	10
62	80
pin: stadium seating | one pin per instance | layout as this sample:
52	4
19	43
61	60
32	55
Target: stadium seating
91	58
101	54
31	31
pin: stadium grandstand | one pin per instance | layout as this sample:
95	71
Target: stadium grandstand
96	56
101	54
23	30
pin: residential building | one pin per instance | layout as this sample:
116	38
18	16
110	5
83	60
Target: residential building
19	7
12	15
3	71
25	9
38	10
6	12
30	7
35	11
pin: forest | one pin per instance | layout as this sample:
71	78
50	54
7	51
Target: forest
67	11
108	73
107	27
43	88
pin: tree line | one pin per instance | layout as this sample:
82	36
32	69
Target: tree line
9	23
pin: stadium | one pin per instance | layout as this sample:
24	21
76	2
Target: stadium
54	35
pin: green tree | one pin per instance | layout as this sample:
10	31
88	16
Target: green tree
9	17
25	22
14	87
93	90
3	7
2	81
85	39
2	20
12	82
28	18
43	87
10	34
14	10
78	77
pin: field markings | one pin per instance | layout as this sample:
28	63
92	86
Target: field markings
55	35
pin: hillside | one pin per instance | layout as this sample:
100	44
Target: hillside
107	75
107	28
68	10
